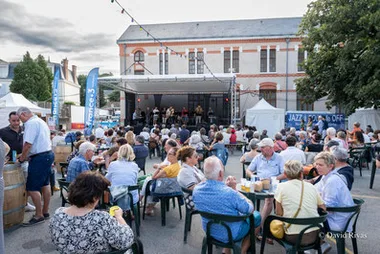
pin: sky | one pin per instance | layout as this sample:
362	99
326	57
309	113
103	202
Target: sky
85	31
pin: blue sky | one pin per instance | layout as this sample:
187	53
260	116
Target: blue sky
86	31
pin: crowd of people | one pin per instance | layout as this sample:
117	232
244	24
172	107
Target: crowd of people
119	153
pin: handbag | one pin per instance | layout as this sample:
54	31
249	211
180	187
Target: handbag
277	227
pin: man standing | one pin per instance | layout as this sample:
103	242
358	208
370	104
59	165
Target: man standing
99	132
87	132
184	134
267	165
37	147
226	200
13	134
80	163
198	115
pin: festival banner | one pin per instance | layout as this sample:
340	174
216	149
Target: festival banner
91	89
293	118
55	98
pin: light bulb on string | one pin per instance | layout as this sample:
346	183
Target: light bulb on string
112	1
132	20
141	28
122	11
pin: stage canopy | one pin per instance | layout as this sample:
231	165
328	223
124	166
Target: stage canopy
171	84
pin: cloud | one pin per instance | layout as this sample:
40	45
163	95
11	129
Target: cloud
20	27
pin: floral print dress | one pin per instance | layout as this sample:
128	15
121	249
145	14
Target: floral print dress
94	232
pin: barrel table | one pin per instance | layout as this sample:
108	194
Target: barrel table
61	152
14	195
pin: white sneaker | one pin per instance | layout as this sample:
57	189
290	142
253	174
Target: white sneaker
326	247
29	207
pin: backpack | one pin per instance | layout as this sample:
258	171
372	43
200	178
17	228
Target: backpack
222	154
152	143
70	137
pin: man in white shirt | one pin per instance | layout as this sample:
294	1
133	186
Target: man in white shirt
37	149
99	132
292	152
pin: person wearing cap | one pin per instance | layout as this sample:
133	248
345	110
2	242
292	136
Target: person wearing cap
266	165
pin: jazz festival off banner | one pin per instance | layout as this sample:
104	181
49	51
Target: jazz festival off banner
91	88
55	98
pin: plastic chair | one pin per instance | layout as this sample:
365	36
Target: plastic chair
137	248
373	173
141	163
290	247
246	163
357	157
188	216
64	167
64	186
340	240
164	203
135	208
209	241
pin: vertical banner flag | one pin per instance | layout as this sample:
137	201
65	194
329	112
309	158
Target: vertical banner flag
55	98
91	89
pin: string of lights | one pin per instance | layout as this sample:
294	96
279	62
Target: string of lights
162	45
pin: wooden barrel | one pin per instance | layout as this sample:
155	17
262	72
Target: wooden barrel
60	155
14	195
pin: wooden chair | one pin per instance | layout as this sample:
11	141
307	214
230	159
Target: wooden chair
355	211
222	220
290	247
188	216
64	189
164	203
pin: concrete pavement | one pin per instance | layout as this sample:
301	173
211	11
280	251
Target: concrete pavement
169	239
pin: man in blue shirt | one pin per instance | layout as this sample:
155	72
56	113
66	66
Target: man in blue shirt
184	134
141	151
225	200
266	165
81	162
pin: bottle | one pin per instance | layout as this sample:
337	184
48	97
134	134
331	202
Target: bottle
14	155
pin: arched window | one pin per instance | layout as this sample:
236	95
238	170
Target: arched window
139	56
268	91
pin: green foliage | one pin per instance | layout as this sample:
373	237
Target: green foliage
82	82
32	79
114	96
69	103
342	39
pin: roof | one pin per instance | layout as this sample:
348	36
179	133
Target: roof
252	28
12	100
263	106
2	61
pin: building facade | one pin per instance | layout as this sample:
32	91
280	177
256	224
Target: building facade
263	55
68	83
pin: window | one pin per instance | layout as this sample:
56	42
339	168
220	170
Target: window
269	95
160	59
191	63
235	61
161	63
139	57
301	59
139	72
200	64
302	105
264	64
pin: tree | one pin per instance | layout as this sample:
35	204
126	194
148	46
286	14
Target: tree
342	40
114	96
82	82
82	92
32	79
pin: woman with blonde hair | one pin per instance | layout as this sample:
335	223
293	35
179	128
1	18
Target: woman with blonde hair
297	199
122	173
130	137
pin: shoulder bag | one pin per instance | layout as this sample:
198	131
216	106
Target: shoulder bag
277	227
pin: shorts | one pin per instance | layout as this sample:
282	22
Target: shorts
39	171
244	228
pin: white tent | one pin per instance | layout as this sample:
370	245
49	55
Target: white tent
12	101
365	116
265	117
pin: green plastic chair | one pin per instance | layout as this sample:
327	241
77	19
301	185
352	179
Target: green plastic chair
64	189
188	216
209	241
137	248
355	210
135	208
290	247
244	164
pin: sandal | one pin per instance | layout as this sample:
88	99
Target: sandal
268	240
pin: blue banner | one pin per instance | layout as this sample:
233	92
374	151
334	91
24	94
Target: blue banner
55	98
293	119
91	90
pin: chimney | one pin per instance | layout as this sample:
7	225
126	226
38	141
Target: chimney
74	70
66	68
